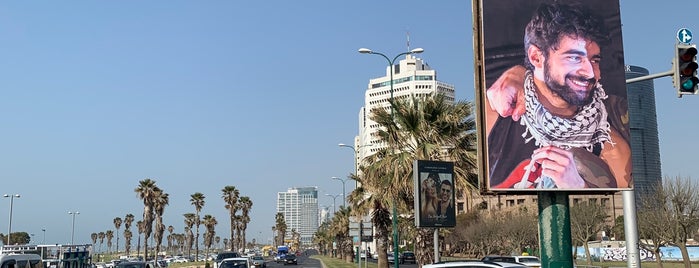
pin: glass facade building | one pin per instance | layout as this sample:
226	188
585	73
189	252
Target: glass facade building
645	147
300	209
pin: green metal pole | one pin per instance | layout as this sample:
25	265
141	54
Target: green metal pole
554	230
395	236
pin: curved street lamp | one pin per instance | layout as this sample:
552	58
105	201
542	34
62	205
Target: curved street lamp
9	226
391	63
334	196
72	233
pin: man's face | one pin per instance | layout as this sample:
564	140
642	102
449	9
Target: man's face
572	70
445	193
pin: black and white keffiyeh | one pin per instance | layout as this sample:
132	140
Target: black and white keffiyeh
586	128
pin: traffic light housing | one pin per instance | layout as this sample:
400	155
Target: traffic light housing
685	65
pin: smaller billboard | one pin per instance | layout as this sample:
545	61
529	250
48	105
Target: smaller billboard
434	193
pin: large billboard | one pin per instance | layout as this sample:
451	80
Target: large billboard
434	193
551	93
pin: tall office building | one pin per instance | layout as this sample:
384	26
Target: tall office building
300	209
645	148
411	78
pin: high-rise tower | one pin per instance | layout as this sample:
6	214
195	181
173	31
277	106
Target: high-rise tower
645	148
300	209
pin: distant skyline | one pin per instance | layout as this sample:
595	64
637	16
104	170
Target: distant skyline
97	96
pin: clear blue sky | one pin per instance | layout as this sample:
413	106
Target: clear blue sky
197	95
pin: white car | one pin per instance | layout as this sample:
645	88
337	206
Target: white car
235	262
473	264
529	261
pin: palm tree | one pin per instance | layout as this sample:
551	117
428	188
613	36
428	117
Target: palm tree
101	236
128	220
197	200
231	196
210	225
280	225
109	234
189	221
93	236
170	237
141	226
427	128
117	225
147	191
245	205
161	201
339	226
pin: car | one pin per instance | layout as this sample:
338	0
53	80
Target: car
407	256
238	262
473	264
135	264
258	261
290	259
225	255
529	261
390	257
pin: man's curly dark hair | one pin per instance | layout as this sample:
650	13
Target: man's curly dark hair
551	22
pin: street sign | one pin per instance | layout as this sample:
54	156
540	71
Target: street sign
684	35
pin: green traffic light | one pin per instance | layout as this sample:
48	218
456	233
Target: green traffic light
688	85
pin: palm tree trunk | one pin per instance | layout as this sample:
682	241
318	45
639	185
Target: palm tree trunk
424	244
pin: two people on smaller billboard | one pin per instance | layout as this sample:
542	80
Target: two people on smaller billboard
549	123
436	194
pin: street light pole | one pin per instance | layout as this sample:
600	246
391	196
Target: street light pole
344	197
72	233
333	197
390	65
9	226
43	240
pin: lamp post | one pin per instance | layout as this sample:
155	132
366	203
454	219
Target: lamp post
9	226
391	63
344	197
334	197
72	233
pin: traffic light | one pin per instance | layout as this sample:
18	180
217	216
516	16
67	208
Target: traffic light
685	76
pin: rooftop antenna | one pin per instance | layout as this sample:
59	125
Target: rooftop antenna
408	35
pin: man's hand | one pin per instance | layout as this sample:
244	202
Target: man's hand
559	165
506	95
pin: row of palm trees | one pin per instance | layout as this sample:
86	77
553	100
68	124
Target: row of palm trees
417	128
154	202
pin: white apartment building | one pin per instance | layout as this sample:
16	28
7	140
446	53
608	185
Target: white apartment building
412	77
300	209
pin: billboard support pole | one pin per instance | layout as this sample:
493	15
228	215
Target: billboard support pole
631	229
554	230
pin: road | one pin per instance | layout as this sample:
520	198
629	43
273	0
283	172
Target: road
306	262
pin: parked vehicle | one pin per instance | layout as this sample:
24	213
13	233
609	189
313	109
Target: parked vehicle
529	261
135	264
473	264
407	257
390	257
